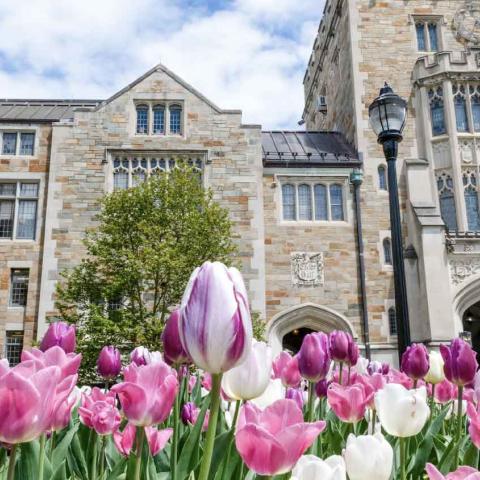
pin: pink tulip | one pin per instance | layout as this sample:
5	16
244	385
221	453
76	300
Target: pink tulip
474	426
296	395
280	363
445	392
124	440
142	356
68	363
291	374
61	334
394	376
65	400
271	441
147	393
207	381
462	473
98	411
192	381
173	351
349	402
109	363
372	383
157	439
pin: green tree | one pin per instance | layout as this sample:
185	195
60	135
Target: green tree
139	259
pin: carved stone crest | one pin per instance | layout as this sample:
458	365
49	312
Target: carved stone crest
460	270
466	23
307	268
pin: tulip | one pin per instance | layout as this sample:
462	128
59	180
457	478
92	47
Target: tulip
157	439
349	402
147	393
296	395
98	412
362	365
474	426
310	467
270	442
109	363
68	363
435	373
321	388
394	376
313	357
290	375
462	473
402	412
142	356
61	334
340	345
172	346
207	381
445	392
66	398
368	457
124	440
353	354
378	367
415	361
190	414
274	391
280	363
460	362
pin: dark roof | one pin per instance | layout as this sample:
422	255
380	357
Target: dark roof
42	110
303	149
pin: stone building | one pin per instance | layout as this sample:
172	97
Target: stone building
291	194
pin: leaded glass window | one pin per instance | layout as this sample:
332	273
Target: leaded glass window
9	143
382	177
460	108
471	201
392	321
142	119
476	112
427	32
420	31
19	287
321	202
336	202
304	202
158	119
288	202
175	119
437	111
13	347
447	201
433	36
387	251
27	141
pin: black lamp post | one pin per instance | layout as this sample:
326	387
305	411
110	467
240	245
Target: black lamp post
388	113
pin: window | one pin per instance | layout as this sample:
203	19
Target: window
13	347
382	177
131	170
315	202
460	108
387	251
158	119
175	119
142	119
428	33
471	201
392	321
18	287
18	143
433	36
475	102
18	210
447	201
437	111
420	30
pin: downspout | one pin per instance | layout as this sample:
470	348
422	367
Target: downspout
356	178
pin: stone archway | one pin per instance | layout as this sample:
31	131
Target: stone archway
307	316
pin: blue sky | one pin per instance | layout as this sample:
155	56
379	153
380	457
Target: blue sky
247	54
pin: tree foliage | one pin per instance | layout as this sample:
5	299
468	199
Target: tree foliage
139	258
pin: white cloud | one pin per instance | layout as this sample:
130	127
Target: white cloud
248	54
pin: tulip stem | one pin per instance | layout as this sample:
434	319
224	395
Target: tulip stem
138	461
232	433
403	460
311	396
102	455
459	425
93	463
212	426
41	457
173	460
340	373
11	463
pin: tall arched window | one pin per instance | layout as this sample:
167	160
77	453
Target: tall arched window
304	202
475	101
288	202
471	201
387	251
392	321
420	30
158	119
336	202
142	119
460	108
437	111
382	177
433	36
175	119
321	203
447	201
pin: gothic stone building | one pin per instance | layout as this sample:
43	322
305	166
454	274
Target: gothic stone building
295	197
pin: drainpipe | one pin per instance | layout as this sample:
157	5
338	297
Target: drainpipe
356	177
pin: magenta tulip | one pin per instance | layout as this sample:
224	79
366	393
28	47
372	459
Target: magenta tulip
61	334
340	345
157	439
147	393
68	363
124	440
445	392
280	363
189	415
98	411
460	362
321	388
462	473
296	395
215	326
415	361
173	350
474	424
314	358
290	375
349	402
142	356
353	353
271	442
64	403
109	363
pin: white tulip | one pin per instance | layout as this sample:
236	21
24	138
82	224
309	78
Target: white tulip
435	374
275	391
368	457
361	366
310	467
251	378
402	412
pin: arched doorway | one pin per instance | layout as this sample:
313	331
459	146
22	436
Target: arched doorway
287	328
471	324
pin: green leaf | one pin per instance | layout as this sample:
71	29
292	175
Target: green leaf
60	472
220	450
117	470
27	462
470	457
60	451
76	459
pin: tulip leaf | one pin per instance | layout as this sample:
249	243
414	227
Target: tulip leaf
60	472
220	449
76	459
250	475
27	464
117	470
471	456
61	450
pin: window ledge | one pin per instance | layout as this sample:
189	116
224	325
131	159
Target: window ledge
15	308
312	223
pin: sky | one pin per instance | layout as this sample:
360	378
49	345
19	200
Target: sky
241	54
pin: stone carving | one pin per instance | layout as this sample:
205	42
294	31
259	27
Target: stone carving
441	154
460	270
466	151
466	23
307	268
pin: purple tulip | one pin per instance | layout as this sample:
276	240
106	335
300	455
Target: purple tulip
189	413
59	334
460	362
109	362
296	395
173	351
415	361
340	346
378	367
215	326
321	388
313	357
353	354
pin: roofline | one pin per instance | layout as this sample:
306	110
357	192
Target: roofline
49	100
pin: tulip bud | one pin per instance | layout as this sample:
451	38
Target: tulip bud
368	457
415	361
313	357
460	362
173	350
353	354
321	388
339	345
313	468
435	373
296	395
61	334
215	326
290	375
189	415
109	362
142	356
280	363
